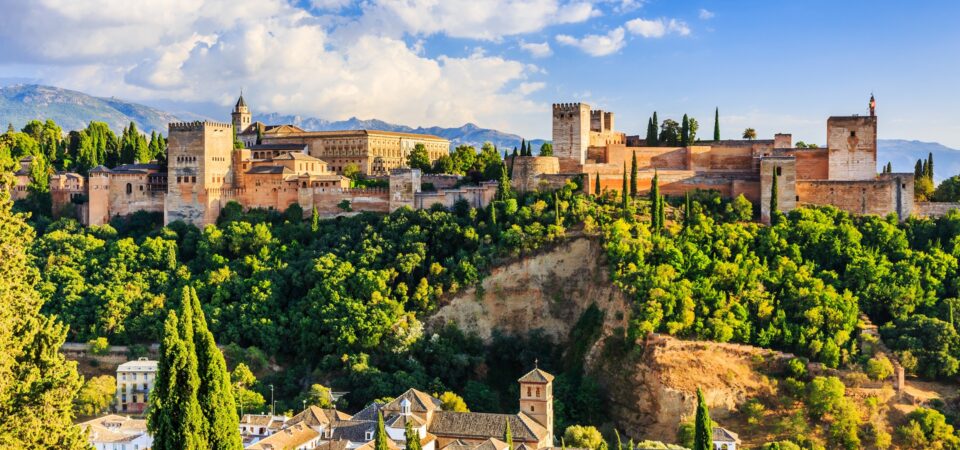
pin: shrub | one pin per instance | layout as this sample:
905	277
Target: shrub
98	346
879	368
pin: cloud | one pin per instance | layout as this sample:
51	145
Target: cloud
657	28
286	59
596	44
705	14
537	50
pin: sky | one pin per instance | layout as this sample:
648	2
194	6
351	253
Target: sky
776	66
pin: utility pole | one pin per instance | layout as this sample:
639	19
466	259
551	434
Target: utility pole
271	401
240	394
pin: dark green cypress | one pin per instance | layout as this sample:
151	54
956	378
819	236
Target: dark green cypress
655	202
596	184
624	191
412	437
175	419
633	175
508	435
918	169
651	133
703	427
315	220
503	185
661	212
215	393
656	131
523	147
685	131
380	435
930	166
774	193
716	124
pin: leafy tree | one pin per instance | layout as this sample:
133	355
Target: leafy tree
923	189
669	133
582	437
716	124
504	190
320	396
95	396
419	159
98	346
214	394
928	428
546	149
879	368
174	417
352	171
948	190
37	384
244	381
693	126
450	401
824	395
749	134
703	431
443	164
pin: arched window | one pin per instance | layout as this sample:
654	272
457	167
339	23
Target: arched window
538	392
129	188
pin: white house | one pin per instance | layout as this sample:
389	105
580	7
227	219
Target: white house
724	439
114	432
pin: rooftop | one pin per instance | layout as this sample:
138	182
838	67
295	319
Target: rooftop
140	365
484	425
114	429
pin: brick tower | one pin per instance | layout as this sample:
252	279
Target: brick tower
536	399
571	131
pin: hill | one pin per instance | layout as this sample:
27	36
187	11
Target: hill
468	134
73	110
904	154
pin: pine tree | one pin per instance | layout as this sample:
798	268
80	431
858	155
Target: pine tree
703	428
774	193
656	131
687	210
633	175
412	436
655	203
523	147
596	184
10	128
215	394
716	124
380	435
315	220
37	384
685	131
508	436
623	192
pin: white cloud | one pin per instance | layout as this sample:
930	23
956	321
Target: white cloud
657	28
705	14
596	44
331	5
285	59
537	50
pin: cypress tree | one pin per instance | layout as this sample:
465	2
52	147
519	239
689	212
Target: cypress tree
918	170
655	202
924	170
380	435
716	124
633	175
508	436
175	419
215	393
315	220
662	220
259	135
493	214
619	443
930	166
523	147
774	193
656	129
503	185
596	184
889	167
624	191
651	133
685	131
703	429
412	437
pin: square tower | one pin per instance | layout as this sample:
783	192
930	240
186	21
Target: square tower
536	400
852	143
200	167
571	131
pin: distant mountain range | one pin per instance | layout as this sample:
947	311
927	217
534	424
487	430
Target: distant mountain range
73	110
468	134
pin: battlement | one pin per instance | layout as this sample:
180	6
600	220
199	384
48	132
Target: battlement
197	125
569	107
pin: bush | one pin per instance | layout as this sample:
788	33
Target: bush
824	395
582	436
345	205
98	346
879	368
797	368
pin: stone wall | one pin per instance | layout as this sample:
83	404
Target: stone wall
526	171
440	180
477	196
132	192
934	209
404	185
853	147
785	169
720	159
880	196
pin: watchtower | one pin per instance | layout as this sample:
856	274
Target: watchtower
571	131
241	115
199	167
536	400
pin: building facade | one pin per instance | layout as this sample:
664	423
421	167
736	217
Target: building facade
134	382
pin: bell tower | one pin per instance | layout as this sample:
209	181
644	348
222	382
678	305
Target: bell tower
241	115
536	400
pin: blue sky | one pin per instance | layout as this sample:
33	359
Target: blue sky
777	66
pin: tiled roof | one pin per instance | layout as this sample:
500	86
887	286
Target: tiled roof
485	425
269	169
140	168
536	376
114	428
419	402
240	101
100	168
492	444
278	147
289	437
350	133
263	420
369	412
372	444
724	435
140	365
400	421
353	430
297	156
314	416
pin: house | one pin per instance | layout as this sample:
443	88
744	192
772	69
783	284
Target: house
114	432
134	382
724	439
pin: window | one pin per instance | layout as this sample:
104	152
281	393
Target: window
533	408
853	134
129	188
368	436
529	394
779	172
538	392
798	198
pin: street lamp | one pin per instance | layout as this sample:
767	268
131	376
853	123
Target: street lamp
271	401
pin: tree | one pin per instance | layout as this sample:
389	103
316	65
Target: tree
443	164
259	134
247	399
236	140
633	175
685	131
655	200
930	165
716	124
320	396
623	191
582	437
96	395
504	190
703	431
750	134
656	132
412	437
352	171
523	147
774	195
37	384
923	188
948	190
215	395
693	126
314	219
928	428
669	133
824	395
508	435
546	149
879	368
174	417
419	159
380	436
450	401
596	184
651	133
918	171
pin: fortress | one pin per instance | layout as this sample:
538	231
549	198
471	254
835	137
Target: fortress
844	174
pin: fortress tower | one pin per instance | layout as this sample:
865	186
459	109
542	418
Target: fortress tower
199	168
852	141
536	400
571	131
241	115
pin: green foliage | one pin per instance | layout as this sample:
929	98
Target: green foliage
948	190
669	133
352	171
320	396
927	428
780	445
716	124
380	436
508	435
703	426
215	393
412	437
175	419
546	149
633	175
98	346
749	134
419	159
824	395
879	368
582	437
686	432
685	131
450	401
95	396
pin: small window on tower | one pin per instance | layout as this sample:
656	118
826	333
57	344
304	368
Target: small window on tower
853	134
533	408
779	172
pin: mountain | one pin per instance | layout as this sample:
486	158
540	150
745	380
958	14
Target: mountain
904	154
469	134
73	110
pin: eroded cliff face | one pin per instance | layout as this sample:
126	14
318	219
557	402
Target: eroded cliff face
548	291
651	386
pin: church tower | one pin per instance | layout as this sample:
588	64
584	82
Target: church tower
536	400
241	115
